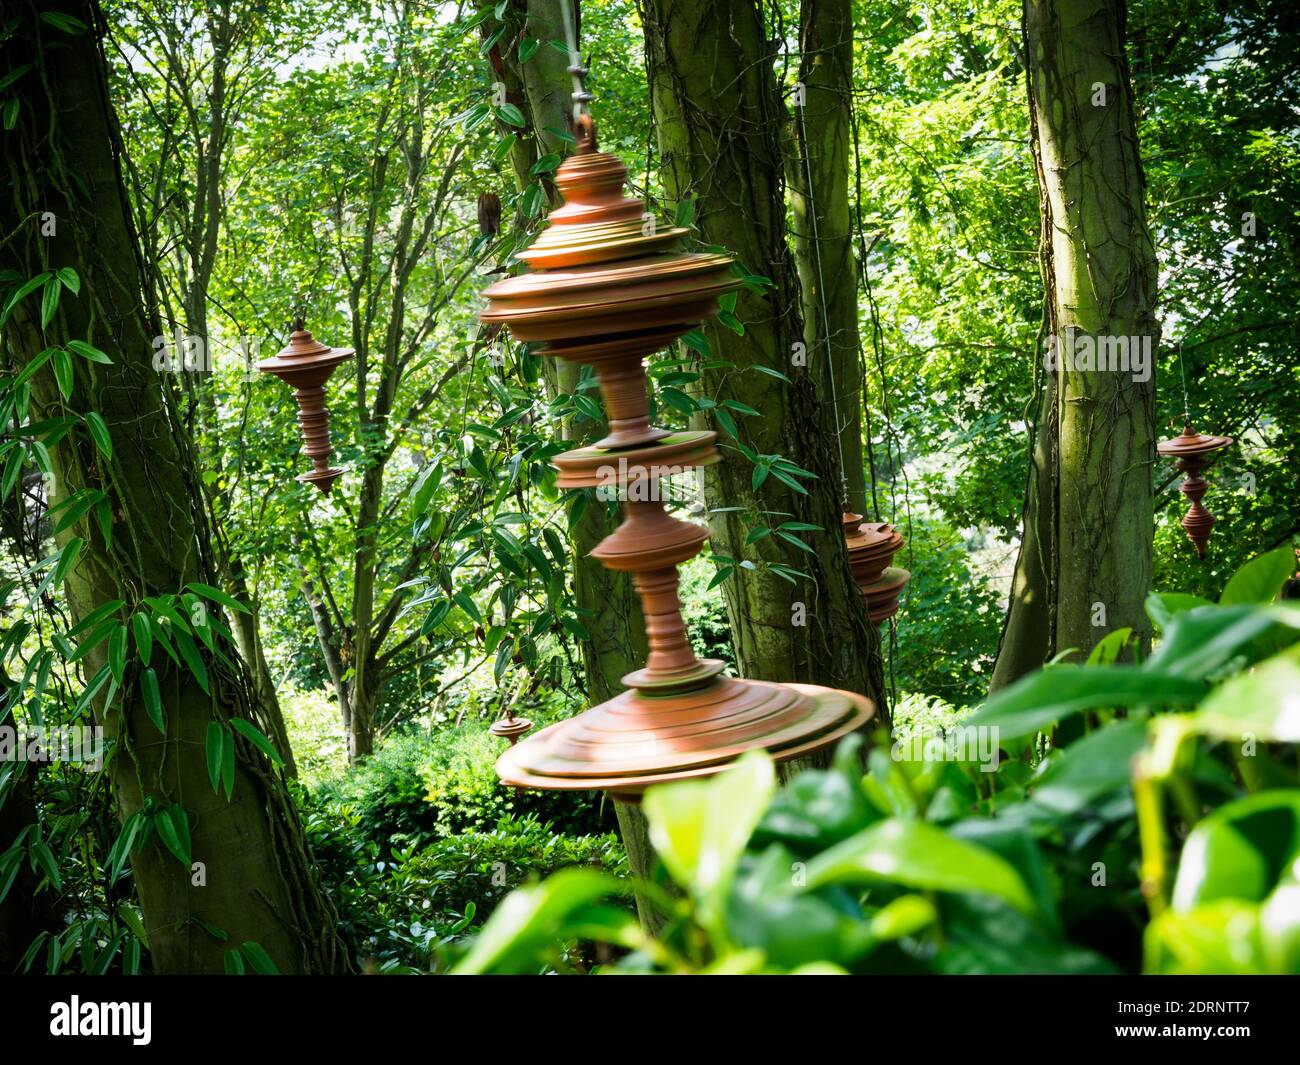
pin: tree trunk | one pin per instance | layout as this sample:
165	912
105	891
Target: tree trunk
818	175
1085	560
719	116
252	879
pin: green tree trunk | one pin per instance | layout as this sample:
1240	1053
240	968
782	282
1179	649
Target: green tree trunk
719	119
1085	560
252	880
819	173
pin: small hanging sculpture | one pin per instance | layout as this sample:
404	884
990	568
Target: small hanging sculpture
872	546
607	290
510	727
1194	454
305	365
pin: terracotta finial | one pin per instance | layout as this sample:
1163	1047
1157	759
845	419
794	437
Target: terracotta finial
1194	454
305	365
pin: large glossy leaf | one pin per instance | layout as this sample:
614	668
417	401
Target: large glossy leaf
1240	851
531	919
1260	579
1201	641
765	913
1218	939
1089	768
819	808
1050	695
700	828
1264	703
919	855
1162	607
1279	927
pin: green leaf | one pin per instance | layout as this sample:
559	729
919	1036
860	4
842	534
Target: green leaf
42	856
528	48
532	201
699	828
1219	939
463	600
8	79
546	164
228	764
531	920
100	434
254	736
234	963
1263	704
50	300
214	745
173	828
1089	768
23	290
69	279
153	699
1260	579
68	557
511	115
919	855
143	637
189	652
34	364
259	959
1201	641
117	653
89	351
1048	696
218	596
1239	851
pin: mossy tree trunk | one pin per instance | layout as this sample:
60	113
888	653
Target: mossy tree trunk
1085	561
819	173
719	118
253	881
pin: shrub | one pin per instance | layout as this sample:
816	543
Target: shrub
1166	839
424	785
402	907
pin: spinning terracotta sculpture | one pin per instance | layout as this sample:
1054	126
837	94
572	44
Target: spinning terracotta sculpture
305	364
607	290
872	546
1194	453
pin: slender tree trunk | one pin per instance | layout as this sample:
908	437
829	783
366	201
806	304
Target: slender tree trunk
819	173
1085	560
719	116
253	879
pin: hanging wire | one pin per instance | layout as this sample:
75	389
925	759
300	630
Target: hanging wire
821	302
581	97
1182	369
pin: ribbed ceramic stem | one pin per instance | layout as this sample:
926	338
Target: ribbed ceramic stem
314	419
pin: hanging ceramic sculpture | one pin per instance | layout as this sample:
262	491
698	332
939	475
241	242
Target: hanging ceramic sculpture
510	727
872	546
305	365
606	290
1194	453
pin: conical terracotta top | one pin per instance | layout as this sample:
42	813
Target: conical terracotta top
1190	442
604	283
